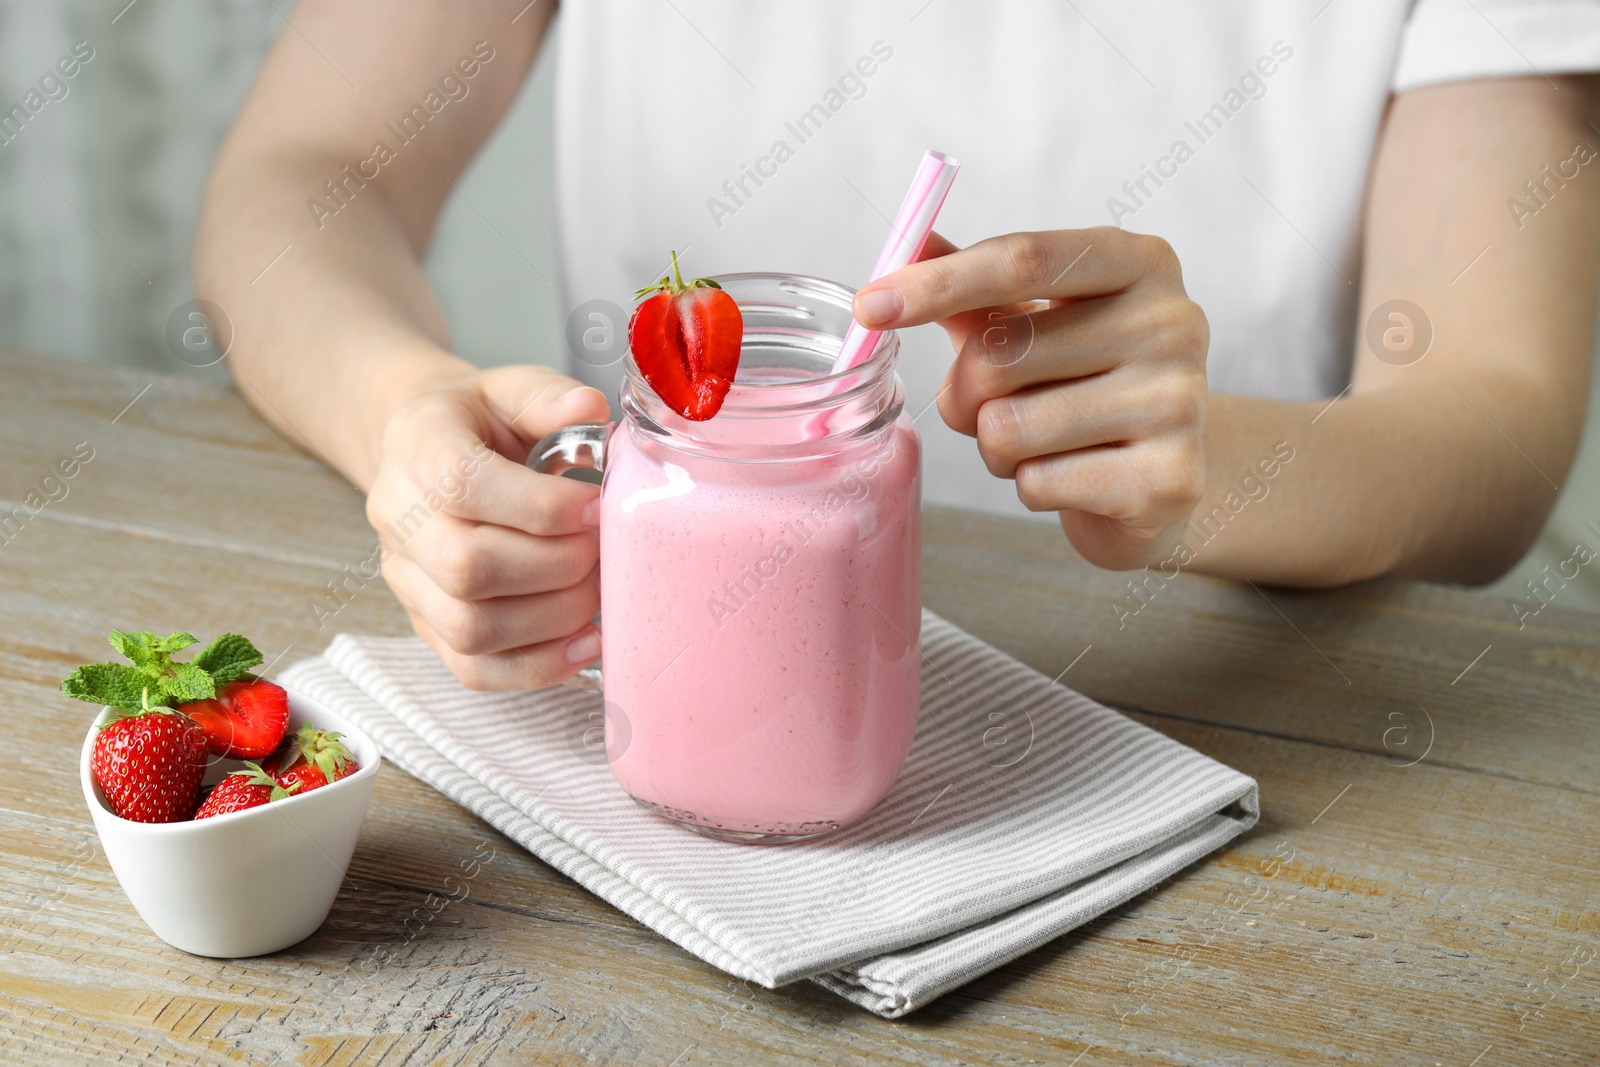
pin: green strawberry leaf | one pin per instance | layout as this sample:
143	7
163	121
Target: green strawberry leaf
228	658
331	755
116	684
328	763
256	776
321	749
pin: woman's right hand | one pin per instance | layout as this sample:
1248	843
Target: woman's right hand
497	565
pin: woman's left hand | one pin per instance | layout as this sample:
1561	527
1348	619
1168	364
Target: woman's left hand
1081	370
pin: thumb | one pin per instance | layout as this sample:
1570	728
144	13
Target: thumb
533	401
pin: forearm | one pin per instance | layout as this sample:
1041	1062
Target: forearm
1443	464
1411	481
334	326
341	329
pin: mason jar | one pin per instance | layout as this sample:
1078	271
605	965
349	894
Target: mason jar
760	578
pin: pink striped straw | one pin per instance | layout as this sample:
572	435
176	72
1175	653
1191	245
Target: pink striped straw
906	237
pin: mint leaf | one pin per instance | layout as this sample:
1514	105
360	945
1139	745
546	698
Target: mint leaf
227	659
107	683
175	642
152	657
184	681
148	652
139	648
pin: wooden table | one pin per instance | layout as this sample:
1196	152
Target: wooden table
1421	889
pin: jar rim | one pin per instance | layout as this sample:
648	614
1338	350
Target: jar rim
828	410
873	366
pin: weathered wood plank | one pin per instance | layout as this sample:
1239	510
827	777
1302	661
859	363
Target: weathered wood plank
1367	668
1377	914
172	465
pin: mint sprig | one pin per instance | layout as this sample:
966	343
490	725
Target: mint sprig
146	650
155	677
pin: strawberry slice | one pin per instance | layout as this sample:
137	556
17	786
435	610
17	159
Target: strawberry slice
245	720
242	790
685	340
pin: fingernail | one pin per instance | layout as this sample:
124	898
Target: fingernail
879	307
585	649
591	513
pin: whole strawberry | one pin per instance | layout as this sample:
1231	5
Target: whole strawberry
685	340
311	760
241	790
149	763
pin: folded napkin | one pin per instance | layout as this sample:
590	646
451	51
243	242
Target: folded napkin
1024	810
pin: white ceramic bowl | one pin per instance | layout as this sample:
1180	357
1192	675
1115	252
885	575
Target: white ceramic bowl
249	882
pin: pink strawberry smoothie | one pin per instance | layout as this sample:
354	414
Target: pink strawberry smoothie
760	625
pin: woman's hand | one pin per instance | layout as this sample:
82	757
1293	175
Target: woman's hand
498	566
1081	370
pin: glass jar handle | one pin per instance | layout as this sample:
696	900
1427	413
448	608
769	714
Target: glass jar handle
582	445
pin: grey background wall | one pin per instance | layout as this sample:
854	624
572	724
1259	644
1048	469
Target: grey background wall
98	196
101	187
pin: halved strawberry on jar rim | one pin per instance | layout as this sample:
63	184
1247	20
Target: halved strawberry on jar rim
685	340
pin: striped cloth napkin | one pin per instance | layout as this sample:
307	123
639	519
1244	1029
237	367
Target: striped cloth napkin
1024	810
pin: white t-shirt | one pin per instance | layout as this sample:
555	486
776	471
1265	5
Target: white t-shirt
781	137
